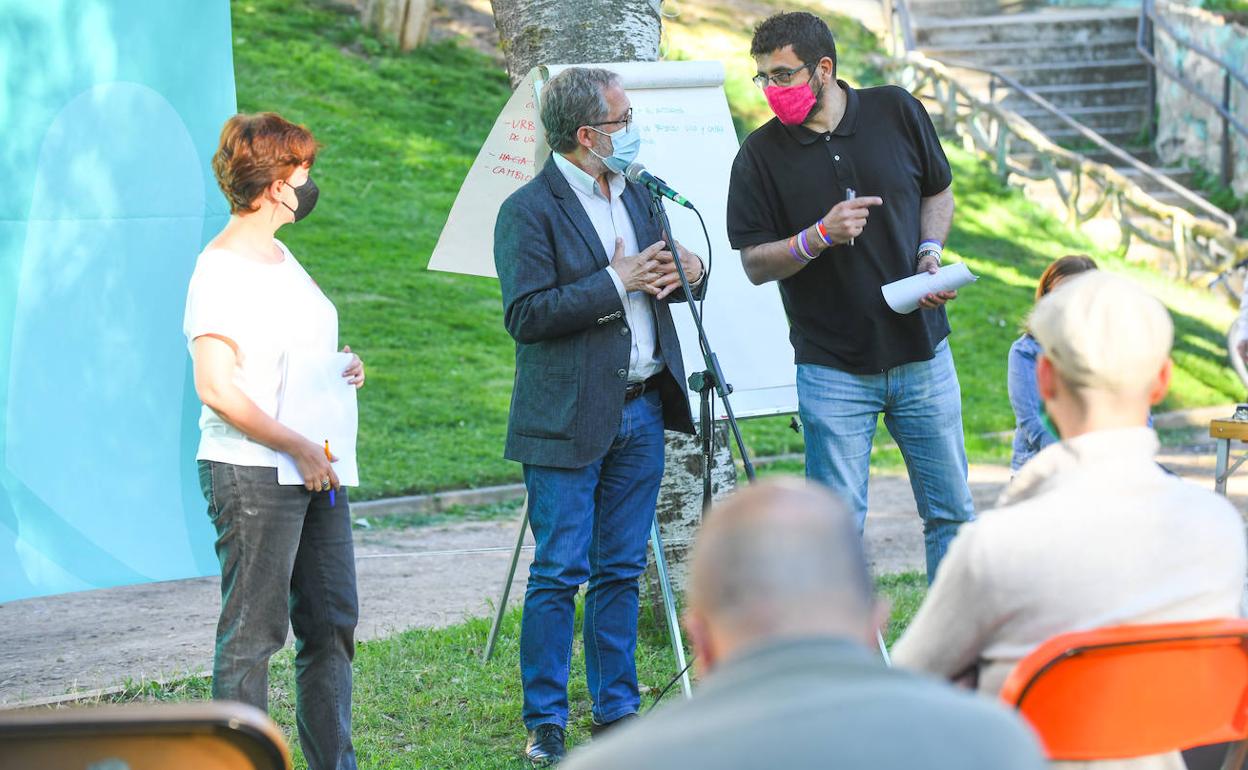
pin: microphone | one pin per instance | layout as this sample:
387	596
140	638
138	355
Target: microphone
637	173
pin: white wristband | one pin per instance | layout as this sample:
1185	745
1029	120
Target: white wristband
932	248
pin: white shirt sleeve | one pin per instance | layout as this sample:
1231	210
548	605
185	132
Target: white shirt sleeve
212	305
619	286
700	275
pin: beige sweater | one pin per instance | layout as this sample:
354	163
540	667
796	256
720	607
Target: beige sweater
1091	533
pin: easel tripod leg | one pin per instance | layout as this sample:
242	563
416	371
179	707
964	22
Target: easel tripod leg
669	606
506	593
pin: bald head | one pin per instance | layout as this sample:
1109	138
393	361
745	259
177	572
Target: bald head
780	558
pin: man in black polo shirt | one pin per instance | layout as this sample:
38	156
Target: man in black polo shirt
844	191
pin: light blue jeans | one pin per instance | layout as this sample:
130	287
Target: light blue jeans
922	406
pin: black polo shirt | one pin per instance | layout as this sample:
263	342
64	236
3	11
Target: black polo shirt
785	178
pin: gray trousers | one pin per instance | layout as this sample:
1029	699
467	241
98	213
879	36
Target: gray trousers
286	557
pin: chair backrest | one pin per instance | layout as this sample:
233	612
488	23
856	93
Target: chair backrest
1130	691
203	736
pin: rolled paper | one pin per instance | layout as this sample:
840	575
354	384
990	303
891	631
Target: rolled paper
903	296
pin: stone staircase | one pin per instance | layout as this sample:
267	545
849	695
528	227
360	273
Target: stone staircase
1082	60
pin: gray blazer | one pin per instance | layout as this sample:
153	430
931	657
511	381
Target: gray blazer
818	704
572	339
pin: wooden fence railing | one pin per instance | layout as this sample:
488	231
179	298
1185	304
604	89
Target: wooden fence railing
1087	189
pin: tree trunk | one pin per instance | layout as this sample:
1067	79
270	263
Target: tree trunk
534	32
680	504
402	23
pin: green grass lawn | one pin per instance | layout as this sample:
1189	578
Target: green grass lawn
1227	6
424	699
399	133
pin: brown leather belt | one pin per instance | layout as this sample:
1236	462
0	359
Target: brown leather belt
635	389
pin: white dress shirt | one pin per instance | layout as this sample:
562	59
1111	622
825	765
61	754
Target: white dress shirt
610	219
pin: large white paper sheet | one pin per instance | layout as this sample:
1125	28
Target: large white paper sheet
319	404
687	138
903	296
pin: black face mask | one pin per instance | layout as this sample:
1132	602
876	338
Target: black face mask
306	194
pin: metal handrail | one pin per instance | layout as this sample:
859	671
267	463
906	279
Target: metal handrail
1150	10
1223	218
902	15
1149	15
902	10
1199	244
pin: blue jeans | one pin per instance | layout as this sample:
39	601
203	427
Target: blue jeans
287	558
922	406
592	524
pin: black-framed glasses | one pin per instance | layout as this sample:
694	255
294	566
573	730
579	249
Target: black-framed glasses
627	120
782	78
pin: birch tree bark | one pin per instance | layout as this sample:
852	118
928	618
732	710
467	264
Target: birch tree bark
680	501
403	23
536	32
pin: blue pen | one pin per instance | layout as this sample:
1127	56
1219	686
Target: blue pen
329	457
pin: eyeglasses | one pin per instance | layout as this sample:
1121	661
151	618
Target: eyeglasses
627	120
781	78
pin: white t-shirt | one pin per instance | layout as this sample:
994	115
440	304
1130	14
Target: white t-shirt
266	310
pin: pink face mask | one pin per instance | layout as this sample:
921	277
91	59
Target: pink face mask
791	103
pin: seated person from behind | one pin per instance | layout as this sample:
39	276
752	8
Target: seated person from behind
1030	433
1091	532
783	618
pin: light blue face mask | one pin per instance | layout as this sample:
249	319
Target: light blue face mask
625	144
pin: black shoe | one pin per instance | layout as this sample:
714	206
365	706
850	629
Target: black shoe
596	729
545	746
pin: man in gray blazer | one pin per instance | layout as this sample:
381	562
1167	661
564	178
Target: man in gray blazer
586	280
782	615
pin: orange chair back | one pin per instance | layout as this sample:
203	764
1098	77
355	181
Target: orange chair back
1131	691
202	736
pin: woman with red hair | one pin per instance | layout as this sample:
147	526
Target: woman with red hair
286	551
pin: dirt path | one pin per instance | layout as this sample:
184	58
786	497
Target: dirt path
94	639
419	577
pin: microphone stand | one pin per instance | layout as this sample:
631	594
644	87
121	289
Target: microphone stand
704	382
710	379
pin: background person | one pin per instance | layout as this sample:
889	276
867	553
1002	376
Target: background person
1030	433
790	216
584	273
286	553
1241	345
1091	532
783	618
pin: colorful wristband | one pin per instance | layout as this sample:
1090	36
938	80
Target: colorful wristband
803	247
823	233
793	250
931	244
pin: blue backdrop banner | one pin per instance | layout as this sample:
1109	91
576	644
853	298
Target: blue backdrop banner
109	112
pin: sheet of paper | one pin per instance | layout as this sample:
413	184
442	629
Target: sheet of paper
903	296
319	404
